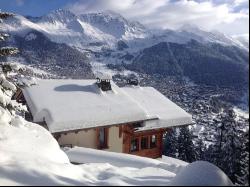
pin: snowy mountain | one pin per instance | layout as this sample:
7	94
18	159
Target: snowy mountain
115	25
109	38
57	58
244	39
214	36
83	31
106	29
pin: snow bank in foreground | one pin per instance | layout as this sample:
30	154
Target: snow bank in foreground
195	174
87	155
201	173
27	141
29	155
4	116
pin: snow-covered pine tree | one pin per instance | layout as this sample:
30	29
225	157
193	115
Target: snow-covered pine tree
214	153
186	148
4	51
231	145
170	143
200	149
243	176
6	87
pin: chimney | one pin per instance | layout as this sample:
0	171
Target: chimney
103	81
134	82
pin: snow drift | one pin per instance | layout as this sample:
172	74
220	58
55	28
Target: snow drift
29	155
201	173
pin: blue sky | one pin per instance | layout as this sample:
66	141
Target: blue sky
32	7
228	16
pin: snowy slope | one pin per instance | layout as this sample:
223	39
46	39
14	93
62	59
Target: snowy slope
81	31
87	155
115	25
243	39
31	156
209	36
190	32
208	175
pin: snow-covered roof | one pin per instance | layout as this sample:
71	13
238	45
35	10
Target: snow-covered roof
155	104
78	104
68	104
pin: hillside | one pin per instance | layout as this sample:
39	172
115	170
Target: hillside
204	64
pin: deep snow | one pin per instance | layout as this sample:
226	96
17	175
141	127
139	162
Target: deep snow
29	155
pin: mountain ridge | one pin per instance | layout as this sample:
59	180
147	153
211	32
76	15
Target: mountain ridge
109	27
109	38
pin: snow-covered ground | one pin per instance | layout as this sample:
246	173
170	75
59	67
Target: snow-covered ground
241	113
87	155
29	155
98	67
20	63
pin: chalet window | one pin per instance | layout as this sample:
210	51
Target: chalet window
103	138
134	146
144	143
153	141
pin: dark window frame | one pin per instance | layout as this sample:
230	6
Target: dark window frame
137	141
146	145
153	144
104	144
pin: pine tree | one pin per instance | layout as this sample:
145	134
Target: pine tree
243	176
5	51
214	153
200	149
227	152
6	87
170	143
186	148
231	146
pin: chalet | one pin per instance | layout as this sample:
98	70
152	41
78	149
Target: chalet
98	114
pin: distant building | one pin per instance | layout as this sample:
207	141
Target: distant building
98	114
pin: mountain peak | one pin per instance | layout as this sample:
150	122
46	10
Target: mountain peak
59	15
113	24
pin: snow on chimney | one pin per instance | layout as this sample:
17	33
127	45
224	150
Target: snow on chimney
103	81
